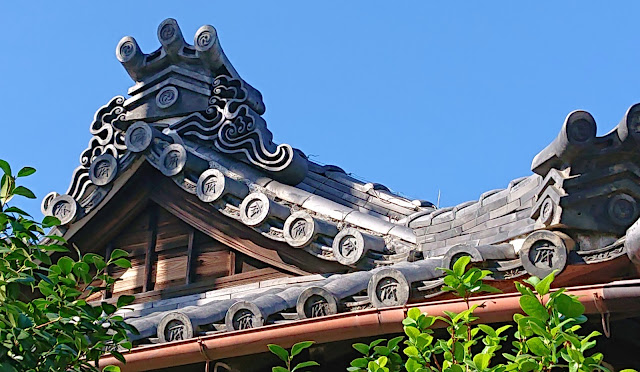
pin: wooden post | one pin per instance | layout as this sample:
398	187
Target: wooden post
190	257
232	263
151	248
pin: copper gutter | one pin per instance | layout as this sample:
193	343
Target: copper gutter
623	295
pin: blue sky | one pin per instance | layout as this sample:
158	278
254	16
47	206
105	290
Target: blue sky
453	96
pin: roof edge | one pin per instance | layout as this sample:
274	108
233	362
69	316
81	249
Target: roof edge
364	323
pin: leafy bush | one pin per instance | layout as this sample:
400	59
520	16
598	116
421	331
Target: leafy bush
288	358
547	337
378	357
45	323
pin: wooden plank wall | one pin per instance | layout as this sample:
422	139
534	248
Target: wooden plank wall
168	255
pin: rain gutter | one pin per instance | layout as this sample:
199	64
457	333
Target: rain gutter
621	296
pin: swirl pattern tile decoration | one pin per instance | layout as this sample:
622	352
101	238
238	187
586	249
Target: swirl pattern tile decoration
232	123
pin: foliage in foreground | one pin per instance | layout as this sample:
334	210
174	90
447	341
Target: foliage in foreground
45	323
288	358
547	338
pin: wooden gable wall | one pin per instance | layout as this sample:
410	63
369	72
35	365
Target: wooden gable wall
179	245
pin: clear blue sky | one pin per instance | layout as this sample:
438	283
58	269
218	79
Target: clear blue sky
422	97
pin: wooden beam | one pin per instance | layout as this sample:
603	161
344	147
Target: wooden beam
151	248
206	285
190	257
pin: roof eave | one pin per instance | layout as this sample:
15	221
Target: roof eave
365	323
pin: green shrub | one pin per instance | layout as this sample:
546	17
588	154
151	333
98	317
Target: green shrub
547	337
45	323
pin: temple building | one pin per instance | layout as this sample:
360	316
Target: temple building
237	242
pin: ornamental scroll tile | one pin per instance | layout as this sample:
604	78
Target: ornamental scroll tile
64	208
389	287
314	302
213	185
175	158
140	136
175	326
301	230
351	245
45	206
257	209
392	286
544	251
197	82
106	138
244	315
103	170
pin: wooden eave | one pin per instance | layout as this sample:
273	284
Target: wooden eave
141	184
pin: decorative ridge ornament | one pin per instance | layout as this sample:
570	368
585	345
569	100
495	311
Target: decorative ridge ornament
198	84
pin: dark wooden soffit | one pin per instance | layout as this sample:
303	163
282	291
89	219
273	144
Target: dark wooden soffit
207	219
143	184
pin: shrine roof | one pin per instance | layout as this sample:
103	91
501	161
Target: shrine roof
192	118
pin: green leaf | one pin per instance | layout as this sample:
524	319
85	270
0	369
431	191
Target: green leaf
545	284
360	362
66	264
412	365
394	342
108	308
362	348
16	210
482	361
458	351
533	307
382	350
537	346
382	361
26	171
21	190
487	329
122	262
54	248
279	369
527	365
50	221
489	289
5	167
460	264
81	270
533	280
413	313
125	300
297	348
306	364
279	351
523	289
569	307
412	332
98	262
45	288
411	351
118	253
111	369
